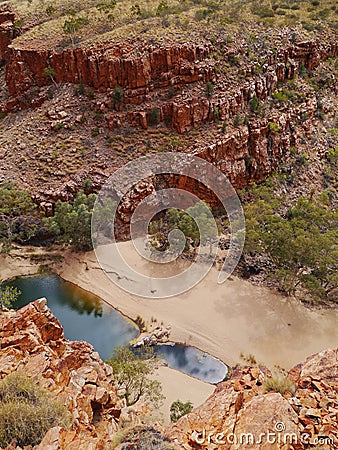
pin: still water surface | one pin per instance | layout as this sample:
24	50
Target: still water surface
85	317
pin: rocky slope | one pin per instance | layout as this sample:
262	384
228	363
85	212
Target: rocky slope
32	342
139	95
241	414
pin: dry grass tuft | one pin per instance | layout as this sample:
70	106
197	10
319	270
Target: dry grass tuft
27	412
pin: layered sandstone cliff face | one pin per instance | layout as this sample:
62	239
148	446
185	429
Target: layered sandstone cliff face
168	78
7	32
241	414
145	72
32	342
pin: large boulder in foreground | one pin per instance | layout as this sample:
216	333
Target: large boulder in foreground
241	414
32	342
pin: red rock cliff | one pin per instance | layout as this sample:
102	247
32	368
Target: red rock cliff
240	413
32	341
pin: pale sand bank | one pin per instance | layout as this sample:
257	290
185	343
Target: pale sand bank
17	264
179	386
175	385
223	320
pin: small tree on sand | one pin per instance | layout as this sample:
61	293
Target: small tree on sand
179	409
132	376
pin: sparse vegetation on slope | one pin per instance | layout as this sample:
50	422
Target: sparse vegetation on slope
27	412
300	240
142	438
179	409
8	295
71	223
68	23
279	383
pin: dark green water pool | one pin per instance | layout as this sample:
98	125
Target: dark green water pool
83	316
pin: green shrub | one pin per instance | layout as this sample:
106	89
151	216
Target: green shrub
254	103
87	185
263	11
216	113
136	11
49	72
90	94
171	92
118	96
95	132
155	116
209	89
162	8
273	127
280	96
201	14
302	69
132	376
27	412
80	90
14	204
71	223
98	115
332	153
8	295
179	409
233	60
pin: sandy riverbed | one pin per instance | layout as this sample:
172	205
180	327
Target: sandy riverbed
223	320
179	386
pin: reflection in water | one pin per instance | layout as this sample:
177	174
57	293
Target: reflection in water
82	304
83	316
193	362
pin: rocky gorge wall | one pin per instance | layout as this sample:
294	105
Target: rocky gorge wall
7	32
146	73
32	342
302	417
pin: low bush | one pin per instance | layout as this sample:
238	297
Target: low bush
155	116
143	438
179	409
27	412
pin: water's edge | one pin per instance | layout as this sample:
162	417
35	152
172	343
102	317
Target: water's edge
108	307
